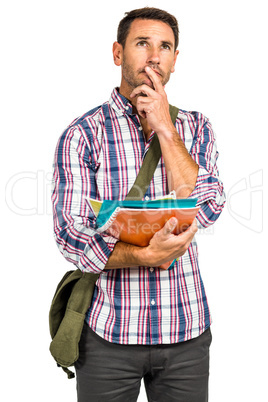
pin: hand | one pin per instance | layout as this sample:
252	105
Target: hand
165	246
154	105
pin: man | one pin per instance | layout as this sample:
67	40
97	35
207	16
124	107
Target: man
144	322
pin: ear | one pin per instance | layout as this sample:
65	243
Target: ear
117	53
174	61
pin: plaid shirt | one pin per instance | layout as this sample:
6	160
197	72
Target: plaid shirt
99	156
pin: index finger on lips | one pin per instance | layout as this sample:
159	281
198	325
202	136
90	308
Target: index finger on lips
154	78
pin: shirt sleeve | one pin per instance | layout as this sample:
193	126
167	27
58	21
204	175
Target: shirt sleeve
209	188
73	183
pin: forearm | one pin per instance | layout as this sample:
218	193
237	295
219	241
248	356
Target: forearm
181	169
163	247
126	255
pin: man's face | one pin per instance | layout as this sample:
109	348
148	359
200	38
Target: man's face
149	43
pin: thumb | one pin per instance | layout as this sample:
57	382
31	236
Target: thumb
170	225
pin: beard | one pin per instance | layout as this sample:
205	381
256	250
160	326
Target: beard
134	79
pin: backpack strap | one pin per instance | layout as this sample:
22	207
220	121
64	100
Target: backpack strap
149	164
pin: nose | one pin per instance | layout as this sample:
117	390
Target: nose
153	56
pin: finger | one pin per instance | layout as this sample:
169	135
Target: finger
190	231
146	100
170	225
142	90
193	228
143	113
155	79
144	103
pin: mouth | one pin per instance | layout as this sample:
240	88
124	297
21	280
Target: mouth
155	70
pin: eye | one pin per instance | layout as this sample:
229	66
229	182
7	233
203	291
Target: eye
142	43
165	46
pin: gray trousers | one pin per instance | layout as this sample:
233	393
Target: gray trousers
111	372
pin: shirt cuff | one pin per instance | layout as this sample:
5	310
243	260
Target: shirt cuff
210	197
96	253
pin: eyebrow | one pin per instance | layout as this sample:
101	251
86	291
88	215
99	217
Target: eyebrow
141	38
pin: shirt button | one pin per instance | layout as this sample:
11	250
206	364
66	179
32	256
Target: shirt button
140	128
153	302
151	269
146	198
127	107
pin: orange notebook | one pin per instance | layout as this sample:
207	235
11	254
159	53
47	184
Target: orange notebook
137	226
136	222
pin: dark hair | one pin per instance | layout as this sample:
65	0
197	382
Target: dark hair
146	13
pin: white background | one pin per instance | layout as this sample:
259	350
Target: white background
56	65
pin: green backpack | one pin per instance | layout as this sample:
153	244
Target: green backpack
67	315
74	292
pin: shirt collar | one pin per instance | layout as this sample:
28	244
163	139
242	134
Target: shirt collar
119	103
